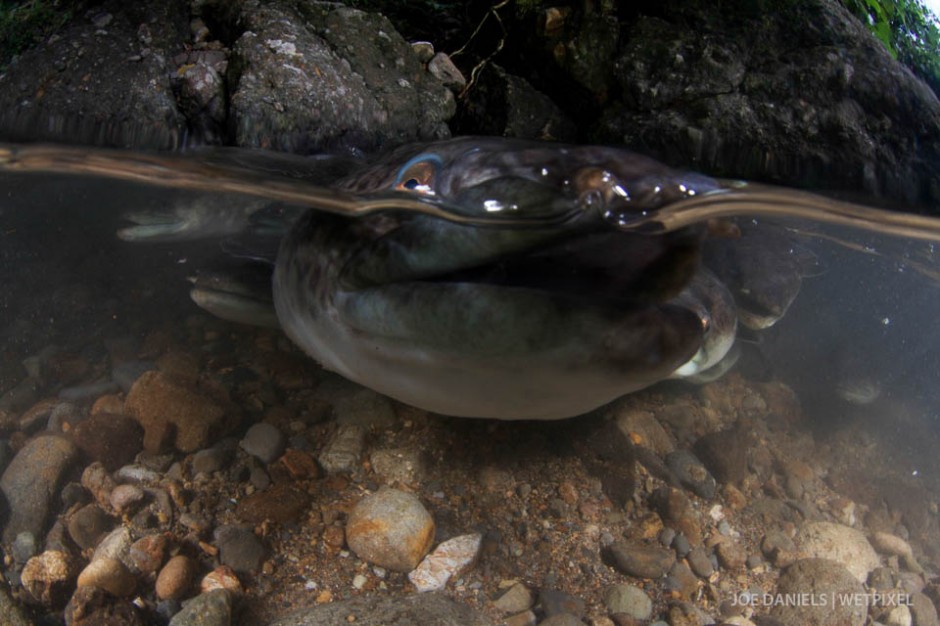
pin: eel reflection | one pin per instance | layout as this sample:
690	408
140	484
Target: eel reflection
476	277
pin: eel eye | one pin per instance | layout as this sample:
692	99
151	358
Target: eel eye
419	175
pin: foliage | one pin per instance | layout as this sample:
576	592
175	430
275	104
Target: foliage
23	22
908	30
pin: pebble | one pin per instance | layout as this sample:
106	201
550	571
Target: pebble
562	619
115	545
344	450
363	407
87	525
240	549
124	498
555	602
108	574
628	599
391	529
209	460
641	561
731	556
526	618
30	483
681	580
24	547
381	609
676	510
213	608
448	560
139	474
516	599
281	503
264	442
923	610
899	616
403	465
845	545
222	577
90	606
173	412
98	482
819	578
49	577
887	543
691	473
147	553
442	68
176	578
700	564
645	430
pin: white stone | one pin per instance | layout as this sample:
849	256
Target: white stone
449	559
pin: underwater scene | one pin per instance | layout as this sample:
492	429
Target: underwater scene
309	331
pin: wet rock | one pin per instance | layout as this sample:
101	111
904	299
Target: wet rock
137	474
281	503
402	465
175	412
11	611
344	450
691	473
682	581
176	578
443	69
108	574
700	563
31	481
264	442
898	616
526	618
113	96
363	407
686	614
87	525
91	606
124	498
391	529
240	549
24	547
562	619
887	543
555	602
820	578
923	610
147	553
644	429
213	608
639	560
114	545
628	599
676	510
516	599
210	460
448	560
97	480
49	577
381	610
731	556
222	577
724	454
348	78
839	543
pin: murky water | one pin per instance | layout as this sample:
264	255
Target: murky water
845	317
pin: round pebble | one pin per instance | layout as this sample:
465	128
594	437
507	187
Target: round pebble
628	599
126	497
240	549
108	574
176	578
264	442
48	576
391	529
87	525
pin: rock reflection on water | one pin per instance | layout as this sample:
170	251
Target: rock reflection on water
134	464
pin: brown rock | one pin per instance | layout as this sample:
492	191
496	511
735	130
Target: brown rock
108	574
640	561
176	578
99	483
731	556
49	577
281	503
147	553
175	412
109	403
676	510
299	464
87	525
113	440
91	606
391	529
724	454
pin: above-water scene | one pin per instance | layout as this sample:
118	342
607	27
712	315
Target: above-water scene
469	314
